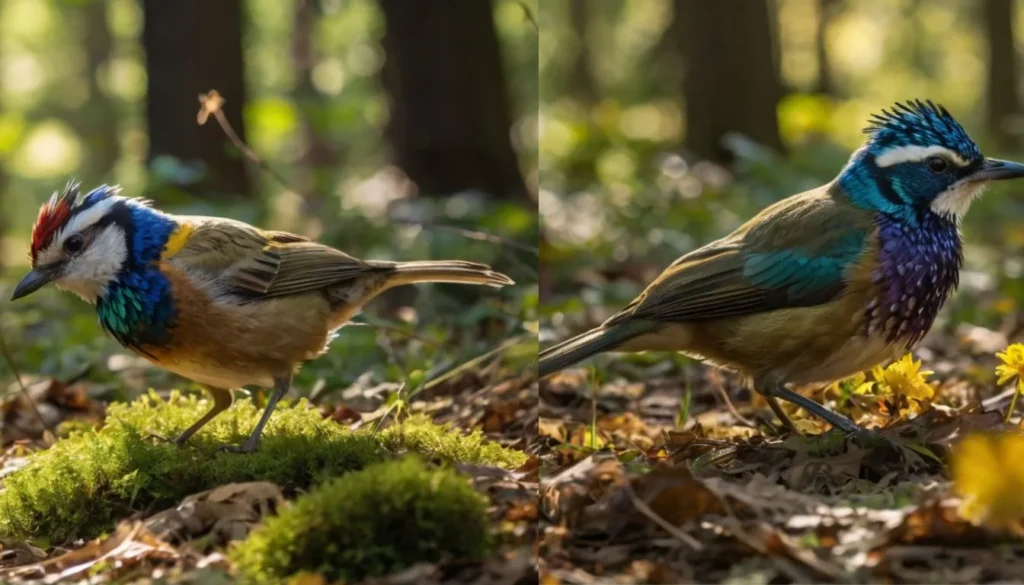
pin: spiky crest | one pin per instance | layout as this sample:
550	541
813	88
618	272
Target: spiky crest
59	210
919	123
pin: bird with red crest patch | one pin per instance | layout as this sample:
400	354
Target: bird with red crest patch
215	300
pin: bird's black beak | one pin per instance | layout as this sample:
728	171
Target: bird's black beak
994	169
36	279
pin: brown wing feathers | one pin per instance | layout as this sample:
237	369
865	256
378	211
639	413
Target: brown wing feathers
292	268
272	264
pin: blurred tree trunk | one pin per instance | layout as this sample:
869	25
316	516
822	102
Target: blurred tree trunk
1003	103
193	46
731	80
581	81
827	11
666	54
98	128
450	119
316	158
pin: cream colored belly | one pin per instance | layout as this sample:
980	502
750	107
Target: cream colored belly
214	375
856	355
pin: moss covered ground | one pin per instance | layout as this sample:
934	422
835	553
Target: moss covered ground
371	522
86	482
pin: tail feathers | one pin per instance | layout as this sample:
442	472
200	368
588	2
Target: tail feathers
581	347
455	271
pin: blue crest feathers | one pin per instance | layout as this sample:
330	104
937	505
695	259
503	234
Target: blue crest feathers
922	124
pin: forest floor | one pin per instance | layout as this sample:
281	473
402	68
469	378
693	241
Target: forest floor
180	514
665	471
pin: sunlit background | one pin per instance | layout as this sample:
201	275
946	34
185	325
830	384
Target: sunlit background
73	88
630	182
380	117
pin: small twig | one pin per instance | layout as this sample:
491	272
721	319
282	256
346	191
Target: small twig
667	526
47	436
469	364
428	384
384	325
467	233
529	15
526	268
716	383
211	104
789	561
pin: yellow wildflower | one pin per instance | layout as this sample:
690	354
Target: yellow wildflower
988	476
855	384
860	384
1012	367
904	376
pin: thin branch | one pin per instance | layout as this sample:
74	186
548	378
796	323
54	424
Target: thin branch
667	526
467	233
716	384
529	15
211	105
47	436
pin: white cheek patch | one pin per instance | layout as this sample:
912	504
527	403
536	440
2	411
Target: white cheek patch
914	153
49	255
79	222
89	273
955	201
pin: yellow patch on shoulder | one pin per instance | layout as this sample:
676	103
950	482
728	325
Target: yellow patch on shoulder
177	241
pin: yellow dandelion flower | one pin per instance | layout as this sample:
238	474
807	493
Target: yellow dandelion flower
905	376
855	384
988	477
1012	367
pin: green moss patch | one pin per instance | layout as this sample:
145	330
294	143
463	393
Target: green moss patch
448	444
82	485
370	522
78	487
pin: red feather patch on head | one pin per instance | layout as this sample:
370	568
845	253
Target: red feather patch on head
52	215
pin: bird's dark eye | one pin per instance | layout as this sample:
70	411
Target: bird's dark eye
73	245
937	164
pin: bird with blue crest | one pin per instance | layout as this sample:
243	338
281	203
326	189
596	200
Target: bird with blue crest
823	284
215	300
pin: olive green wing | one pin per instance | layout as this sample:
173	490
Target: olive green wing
254	262
793	254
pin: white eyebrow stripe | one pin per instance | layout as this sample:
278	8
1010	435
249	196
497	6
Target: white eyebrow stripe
88	217
78	223
915	153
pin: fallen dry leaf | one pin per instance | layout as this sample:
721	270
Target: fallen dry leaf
130	544
226	513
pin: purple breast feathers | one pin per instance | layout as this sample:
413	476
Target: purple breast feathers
918	267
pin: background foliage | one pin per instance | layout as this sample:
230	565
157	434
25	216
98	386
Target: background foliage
105	91
626	189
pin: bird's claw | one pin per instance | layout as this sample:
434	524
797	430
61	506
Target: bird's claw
177	441
247	447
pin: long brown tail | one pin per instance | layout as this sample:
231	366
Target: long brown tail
455	271
597	340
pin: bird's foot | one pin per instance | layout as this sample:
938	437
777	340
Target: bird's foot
870	438
834	418
178	441
246	447
846	425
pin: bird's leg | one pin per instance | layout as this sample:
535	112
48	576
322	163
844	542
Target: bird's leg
221	401
837	420
281	385
787	422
